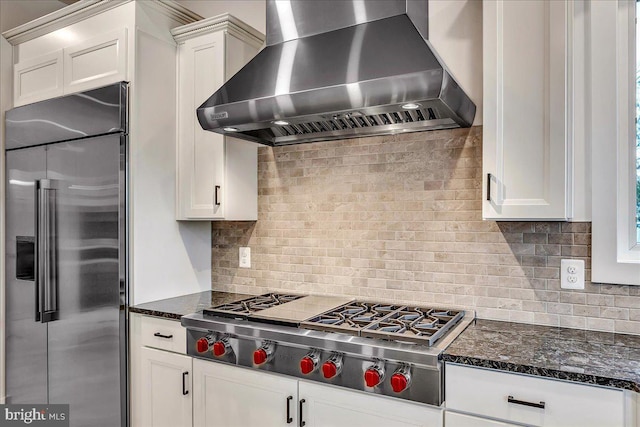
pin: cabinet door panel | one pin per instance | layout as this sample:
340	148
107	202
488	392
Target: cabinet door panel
526	138
330	406
452	419
96	62
37	79
167	395
201	154
230	396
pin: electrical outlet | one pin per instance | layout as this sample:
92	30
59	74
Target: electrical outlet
244	257
572	274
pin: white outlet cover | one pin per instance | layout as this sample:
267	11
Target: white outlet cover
572	274
244	257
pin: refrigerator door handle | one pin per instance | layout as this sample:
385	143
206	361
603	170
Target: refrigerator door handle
46	252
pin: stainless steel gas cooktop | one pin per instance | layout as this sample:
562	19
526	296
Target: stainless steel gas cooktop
374	347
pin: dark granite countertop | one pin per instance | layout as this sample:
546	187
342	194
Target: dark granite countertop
591	357
175	308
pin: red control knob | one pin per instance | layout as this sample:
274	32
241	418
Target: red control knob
219	348
259	356
202	345
372	377
399	382
307	365
329	369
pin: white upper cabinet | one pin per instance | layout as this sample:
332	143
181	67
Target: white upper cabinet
38	78
217	175
97	62
527	134
93	63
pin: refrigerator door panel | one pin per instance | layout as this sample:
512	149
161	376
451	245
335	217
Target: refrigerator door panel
26	339
84	340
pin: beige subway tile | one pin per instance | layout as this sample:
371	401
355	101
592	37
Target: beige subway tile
586	310
521	316
572	322
627	301
597	324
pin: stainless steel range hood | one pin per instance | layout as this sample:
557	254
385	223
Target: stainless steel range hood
335	69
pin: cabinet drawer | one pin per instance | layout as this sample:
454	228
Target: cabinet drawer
163	334
505	396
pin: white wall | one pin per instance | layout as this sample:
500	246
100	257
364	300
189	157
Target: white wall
455	31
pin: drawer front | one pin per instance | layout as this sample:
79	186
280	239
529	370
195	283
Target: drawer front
163	334
531	400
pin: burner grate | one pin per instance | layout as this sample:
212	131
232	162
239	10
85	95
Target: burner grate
350	318
414	324
420	325
245	307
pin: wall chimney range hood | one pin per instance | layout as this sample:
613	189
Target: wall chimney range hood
336	69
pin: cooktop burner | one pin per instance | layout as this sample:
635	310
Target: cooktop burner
245	307
420	325
414	324
350	318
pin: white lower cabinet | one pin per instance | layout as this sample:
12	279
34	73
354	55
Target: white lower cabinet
452	419
166	400
530	400
324	406
229	396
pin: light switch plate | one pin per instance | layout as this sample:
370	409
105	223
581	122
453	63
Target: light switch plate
244	257
572	274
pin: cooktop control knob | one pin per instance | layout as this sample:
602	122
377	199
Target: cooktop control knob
374	375
401	379
263	354
221	347
309	363
203	344
332	366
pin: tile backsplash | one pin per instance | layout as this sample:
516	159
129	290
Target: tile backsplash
399	219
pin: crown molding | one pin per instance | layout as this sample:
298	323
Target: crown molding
61	18
84	9
224	22
174	10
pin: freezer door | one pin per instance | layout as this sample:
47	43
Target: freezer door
84	340
26	338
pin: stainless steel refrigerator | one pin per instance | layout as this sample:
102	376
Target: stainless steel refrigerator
66	275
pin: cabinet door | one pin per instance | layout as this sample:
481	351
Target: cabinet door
452	419
331	406
229	396
526	138
201	154
166	389
97	62
37	79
